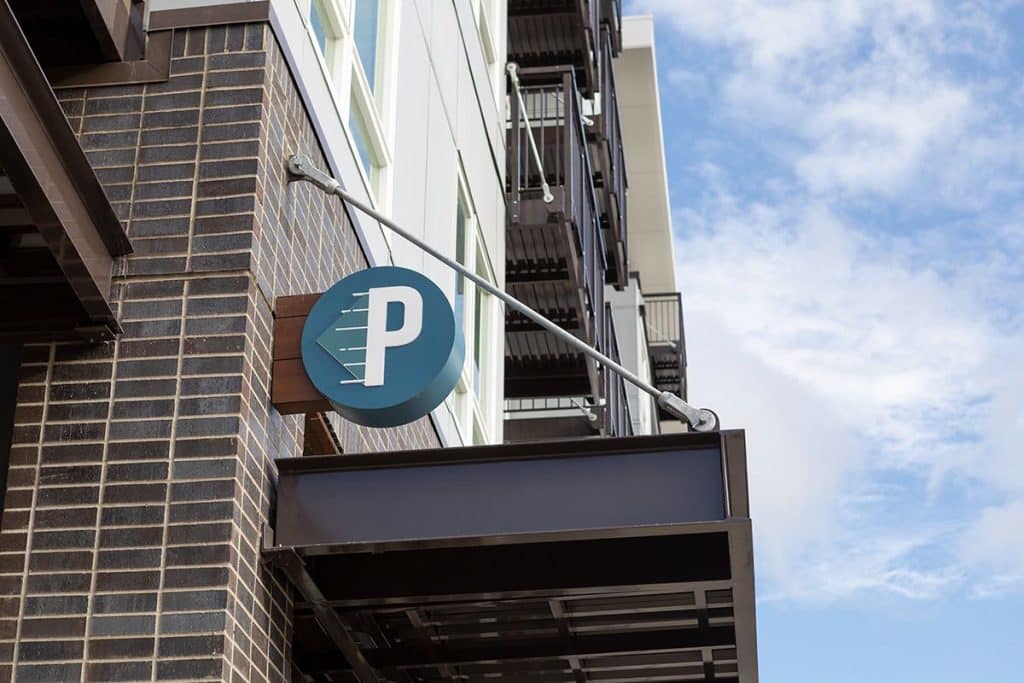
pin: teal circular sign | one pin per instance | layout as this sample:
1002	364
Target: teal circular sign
383	347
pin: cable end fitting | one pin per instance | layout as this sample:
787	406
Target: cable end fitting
301	167
699	419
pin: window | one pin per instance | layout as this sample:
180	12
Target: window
367	22
361	136
322	29
488	15
474	313
480	306
355	39
461	225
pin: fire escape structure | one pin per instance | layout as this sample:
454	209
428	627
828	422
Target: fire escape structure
567	228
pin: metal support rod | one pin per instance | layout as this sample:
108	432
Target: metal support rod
700	419
513	74
289	560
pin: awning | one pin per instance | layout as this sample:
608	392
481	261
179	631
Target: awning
588	560
59	235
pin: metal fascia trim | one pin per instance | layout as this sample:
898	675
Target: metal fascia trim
210	15
552	449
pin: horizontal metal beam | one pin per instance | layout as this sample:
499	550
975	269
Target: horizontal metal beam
522	276
518	650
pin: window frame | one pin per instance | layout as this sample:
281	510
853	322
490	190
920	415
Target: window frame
474	409
350	89
485	16
329	63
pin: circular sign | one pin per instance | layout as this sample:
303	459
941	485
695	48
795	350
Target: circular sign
383	347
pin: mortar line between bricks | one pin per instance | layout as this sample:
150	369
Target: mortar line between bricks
171	446
198	161
135	180
90	606
237	539
254	295
32	512
121	290
233	587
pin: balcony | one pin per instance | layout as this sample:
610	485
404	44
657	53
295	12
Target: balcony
555	252
617	421
573	417
610	166
547	33
611	19
666	343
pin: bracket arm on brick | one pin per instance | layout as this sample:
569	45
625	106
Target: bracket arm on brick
291	563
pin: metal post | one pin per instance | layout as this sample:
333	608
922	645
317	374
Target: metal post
700	419
513	74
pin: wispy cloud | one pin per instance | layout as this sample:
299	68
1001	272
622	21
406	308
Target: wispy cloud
860	305
868	90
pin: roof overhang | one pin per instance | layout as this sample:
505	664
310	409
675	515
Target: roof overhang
600	559
56	213
76	32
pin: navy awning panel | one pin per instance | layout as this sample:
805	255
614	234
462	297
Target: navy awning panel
500	497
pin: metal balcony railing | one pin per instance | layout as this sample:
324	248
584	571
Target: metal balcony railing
610	159
548	33
617	420
551	104
666	342
606	414
611	16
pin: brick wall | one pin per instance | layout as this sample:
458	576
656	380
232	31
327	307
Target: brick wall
141	470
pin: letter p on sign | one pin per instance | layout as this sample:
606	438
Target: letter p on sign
373	318
379	338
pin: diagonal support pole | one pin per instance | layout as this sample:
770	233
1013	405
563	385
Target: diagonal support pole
513	73
699	419
289	561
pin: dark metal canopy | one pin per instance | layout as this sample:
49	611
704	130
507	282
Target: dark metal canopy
602	559
76	32
59	234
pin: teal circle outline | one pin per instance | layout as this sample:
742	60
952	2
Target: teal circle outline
418	377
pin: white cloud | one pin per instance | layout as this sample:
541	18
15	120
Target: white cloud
842	312
862	312
852	362
877	139
864	88
994	542
773	35
793	481
688	81
805	466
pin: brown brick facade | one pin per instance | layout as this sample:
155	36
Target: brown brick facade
141	470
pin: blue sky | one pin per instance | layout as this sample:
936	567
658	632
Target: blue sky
847	180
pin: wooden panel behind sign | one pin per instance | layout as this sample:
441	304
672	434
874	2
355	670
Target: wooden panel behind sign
291	391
